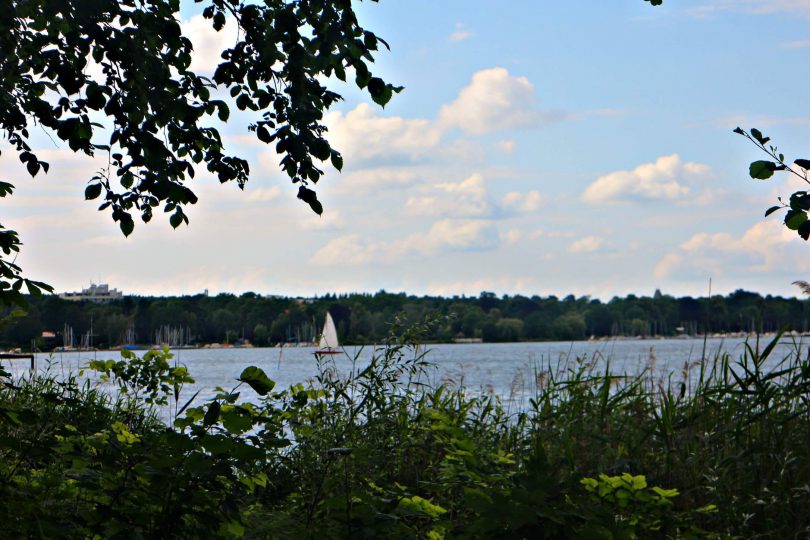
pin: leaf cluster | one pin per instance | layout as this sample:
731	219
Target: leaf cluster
797	207
153	116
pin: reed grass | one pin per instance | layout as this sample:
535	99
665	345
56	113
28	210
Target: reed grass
380	452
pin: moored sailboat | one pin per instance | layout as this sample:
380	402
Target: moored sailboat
328	343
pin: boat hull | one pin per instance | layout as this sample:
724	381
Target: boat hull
328	351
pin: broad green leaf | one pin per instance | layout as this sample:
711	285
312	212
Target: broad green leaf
762	170
803	163
757	134
337	160
795	218
212	414
176	219
257	379
127	225
804	230
235	421
92	191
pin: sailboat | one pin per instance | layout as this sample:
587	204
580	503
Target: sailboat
328	344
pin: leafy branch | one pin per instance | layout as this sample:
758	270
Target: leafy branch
796	217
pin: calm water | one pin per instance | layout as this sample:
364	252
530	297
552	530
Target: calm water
507	369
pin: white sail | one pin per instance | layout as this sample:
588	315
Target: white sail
329	339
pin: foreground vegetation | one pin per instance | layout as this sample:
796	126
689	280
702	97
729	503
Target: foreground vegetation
365	318
376	453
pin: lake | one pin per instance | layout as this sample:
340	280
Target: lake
507	369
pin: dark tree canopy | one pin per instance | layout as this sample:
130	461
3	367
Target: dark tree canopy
152	115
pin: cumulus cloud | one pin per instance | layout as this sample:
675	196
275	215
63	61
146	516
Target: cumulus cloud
765	247
378	179
467	198
362	134
522	202
349	250
208	43
493	101
458	235
507	146
447	235
512	236
588	244
667	178
667	265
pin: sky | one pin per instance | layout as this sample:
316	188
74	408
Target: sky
581	147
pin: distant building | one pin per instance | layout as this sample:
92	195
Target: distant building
100	294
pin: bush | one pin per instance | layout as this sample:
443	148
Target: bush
378	453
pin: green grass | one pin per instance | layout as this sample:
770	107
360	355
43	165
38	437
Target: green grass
718	450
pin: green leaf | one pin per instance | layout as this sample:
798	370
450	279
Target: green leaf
757	134
337	160
263	134
803	163
771	210
794	219
176	219
33	167
235	421
257	379
739	131
127	225
311	198
804	230
762	170
212	414
92	192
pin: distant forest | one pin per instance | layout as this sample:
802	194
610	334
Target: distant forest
366	318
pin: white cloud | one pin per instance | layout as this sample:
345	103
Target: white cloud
361	134
378	179
797	44
349	250
493	101
330	220
522	202
467	198
716	241
447	235
765	247
459	34
512	236
753	7
263	194
457	235
507	146
208	43
666	178
588	244
667	265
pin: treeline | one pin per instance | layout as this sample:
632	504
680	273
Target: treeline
365	318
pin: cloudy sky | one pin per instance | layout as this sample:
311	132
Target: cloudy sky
580	147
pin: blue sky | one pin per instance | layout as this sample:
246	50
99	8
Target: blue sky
539	148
